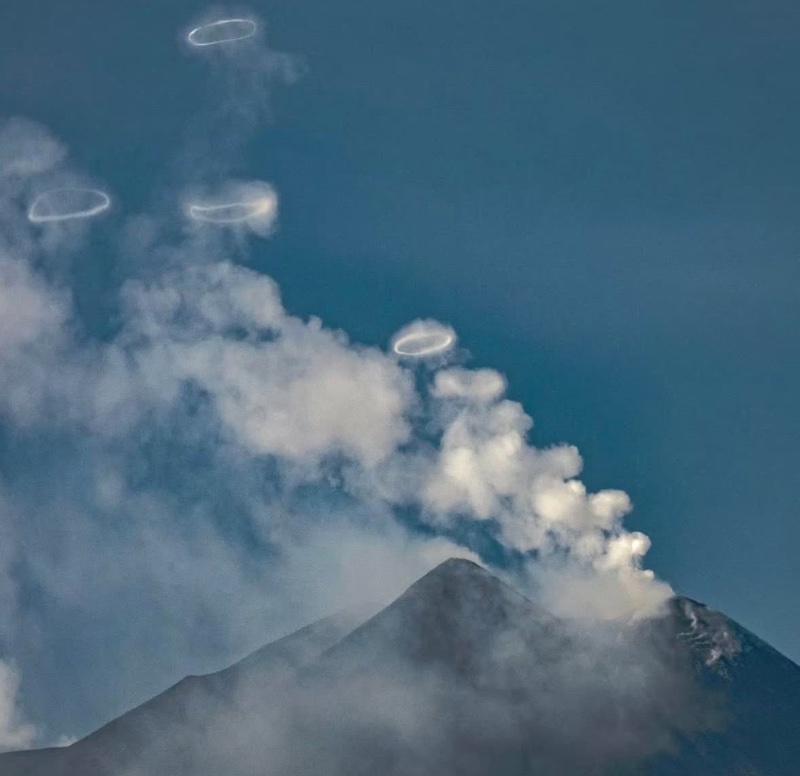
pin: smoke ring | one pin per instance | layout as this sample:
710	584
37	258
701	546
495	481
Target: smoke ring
222	31
422	344
232	212
38	211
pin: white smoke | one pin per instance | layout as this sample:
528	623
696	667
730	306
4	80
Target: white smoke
293	390
321	442
29	310
287	388
479	385
15	732
485	468
26	149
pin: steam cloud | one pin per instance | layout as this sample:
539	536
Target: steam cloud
308	447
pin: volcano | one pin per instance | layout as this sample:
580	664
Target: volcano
463	675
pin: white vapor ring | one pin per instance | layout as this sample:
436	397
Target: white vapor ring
439	343
225	213
249	29
104	202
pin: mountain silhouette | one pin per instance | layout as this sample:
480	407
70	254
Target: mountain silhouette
463	675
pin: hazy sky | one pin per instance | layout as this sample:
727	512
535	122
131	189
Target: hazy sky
601	198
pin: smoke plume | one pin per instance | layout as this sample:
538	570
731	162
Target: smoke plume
213	469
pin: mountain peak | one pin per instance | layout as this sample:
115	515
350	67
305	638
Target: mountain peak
459	572
462	589
464	675
458	566
451	616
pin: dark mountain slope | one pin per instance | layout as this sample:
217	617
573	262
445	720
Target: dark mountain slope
760	734
191	703
463	675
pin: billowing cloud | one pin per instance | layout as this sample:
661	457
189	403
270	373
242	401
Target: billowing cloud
480	385
280	386
486	469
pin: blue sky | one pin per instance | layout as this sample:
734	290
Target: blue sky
600	197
